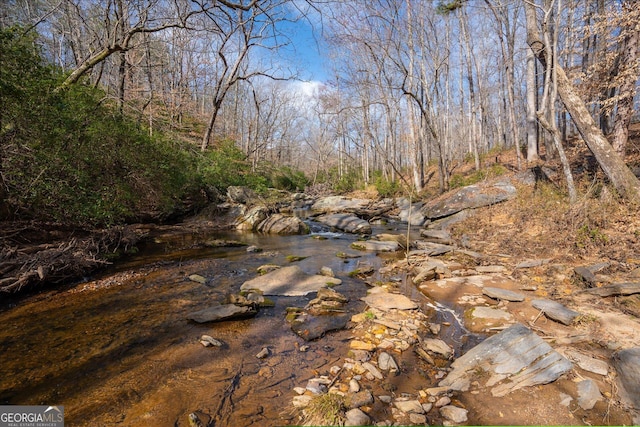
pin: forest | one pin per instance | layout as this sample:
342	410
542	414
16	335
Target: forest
123	110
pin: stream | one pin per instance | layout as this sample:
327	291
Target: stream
117	349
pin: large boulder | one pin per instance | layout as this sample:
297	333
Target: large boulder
289	281
242	195
346	222
339	204
250	220
470	197
283	224
410	212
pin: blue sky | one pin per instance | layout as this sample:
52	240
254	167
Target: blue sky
305	52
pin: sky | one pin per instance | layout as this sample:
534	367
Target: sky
306	50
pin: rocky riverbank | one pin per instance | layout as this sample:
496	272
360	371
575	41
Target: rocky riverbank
524	340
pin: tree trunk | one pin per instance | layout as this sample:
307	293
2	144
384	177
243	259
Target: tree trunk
628	88
611	163
532	127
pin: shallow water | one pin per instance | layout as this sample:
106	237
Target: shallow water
118	350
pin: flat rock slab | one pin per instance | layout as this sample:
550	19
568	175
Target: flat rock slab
503	294
627	364
431	248
346	222
555	311
283	225
530	263
220	313
289	281
376	246
588	363
437	236
629	288
490	313
470	197
513	359
314	327
386	301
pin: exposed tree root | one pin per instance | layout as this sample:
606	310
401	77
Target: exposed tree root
36	254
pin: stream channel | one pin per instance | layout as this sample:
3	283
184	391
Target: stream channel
116	349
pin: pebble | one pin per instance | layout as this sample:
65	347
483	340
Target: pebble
386	362
372	370
362	398
302	401
354	386
355	417
263	353
454	414
443	401
209	341
409	406
361	345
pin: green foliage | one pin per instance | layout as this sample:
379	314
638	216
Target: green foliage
587	236
288	179
462	180
445	7
385	187
68	157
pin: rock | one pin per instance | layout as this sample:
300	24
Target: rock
627	364
311	327
355	417
387	301
443	401
586	275
284	225
430	249
288	281
454	414
410	212
266	268
437	346
339	204
488	269
616	289
302	401
253	249
386	362
263	353
512	359
222	312
346	222
587	363
470	197
372	370
209	341
361	345
588	394
238	194
418	419
533	263
362	398
409	406
327	294
327	271
198	279
555	311
376	246
317	386
437	236
490	313
503	294
250	220
354	386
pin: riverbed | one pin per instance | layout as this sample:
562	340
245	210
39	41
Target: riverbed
117	349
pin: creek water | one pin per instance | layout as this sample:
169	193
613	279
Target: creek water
117	349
